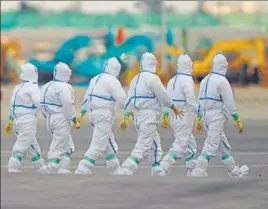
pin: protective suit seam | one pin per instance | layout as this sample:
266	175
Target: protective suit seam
13	111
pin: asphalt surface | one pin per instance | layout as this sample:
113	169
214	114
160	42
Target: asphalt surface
30	190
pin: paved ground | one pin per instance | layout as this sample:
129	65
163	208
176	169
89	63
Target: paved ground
101	191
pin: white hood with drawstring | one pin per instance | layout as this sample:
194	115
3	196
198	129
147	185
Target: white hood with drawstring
220	64
216	94
62	72
29	73
104	91
148	63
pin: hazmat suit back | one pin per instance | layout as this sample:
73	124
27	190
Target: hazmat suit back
181	90
25	102
216	104
216	96
57	104
103	93
146	96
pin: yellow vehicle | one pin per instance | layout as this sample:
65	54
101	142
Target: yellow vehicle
263	62
10	58
174	51
250	54
240	53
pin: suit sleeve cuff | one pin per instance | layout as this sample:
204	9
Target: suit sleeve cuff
166	114
83	112
126	114
235	116
200	116
11	118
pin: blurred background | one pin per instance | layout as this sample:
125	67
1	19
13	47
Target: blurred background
84	34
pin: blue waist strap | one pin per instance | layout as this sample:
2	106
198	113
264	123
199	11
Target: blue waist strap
210	98
101	97
138	97
24	106
178	100
52	104
142	97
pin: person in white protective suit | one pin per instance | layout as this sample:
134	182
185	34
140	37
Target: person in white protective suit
25	103
100	99
146	96
182	92
216	105
57	105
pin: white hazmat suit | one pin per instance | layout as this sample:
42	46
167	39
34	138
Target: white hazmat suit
57	104
216	105
25	102
146	96
100	100
181	90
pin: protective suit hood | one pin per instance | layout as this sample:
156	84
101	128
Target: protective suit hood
220	64
148	62
62	72
29	73
112	66
184	64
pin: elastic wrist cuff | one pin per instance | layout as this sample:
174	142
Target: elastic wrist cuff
166	114
75	120
10	118
83	112
235	116
172	106
199	115
126	114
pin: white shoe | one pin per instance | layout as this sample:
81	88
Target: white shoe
197	172
158	171
189	173
43	170
123	172
64	171
14	171
244	170
82	172
239	172
190	165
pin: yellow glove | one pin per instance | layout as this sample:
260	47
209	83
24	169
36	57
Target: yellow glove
76	122
239	124
125	122
199	124
8	127
177	111
165	120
